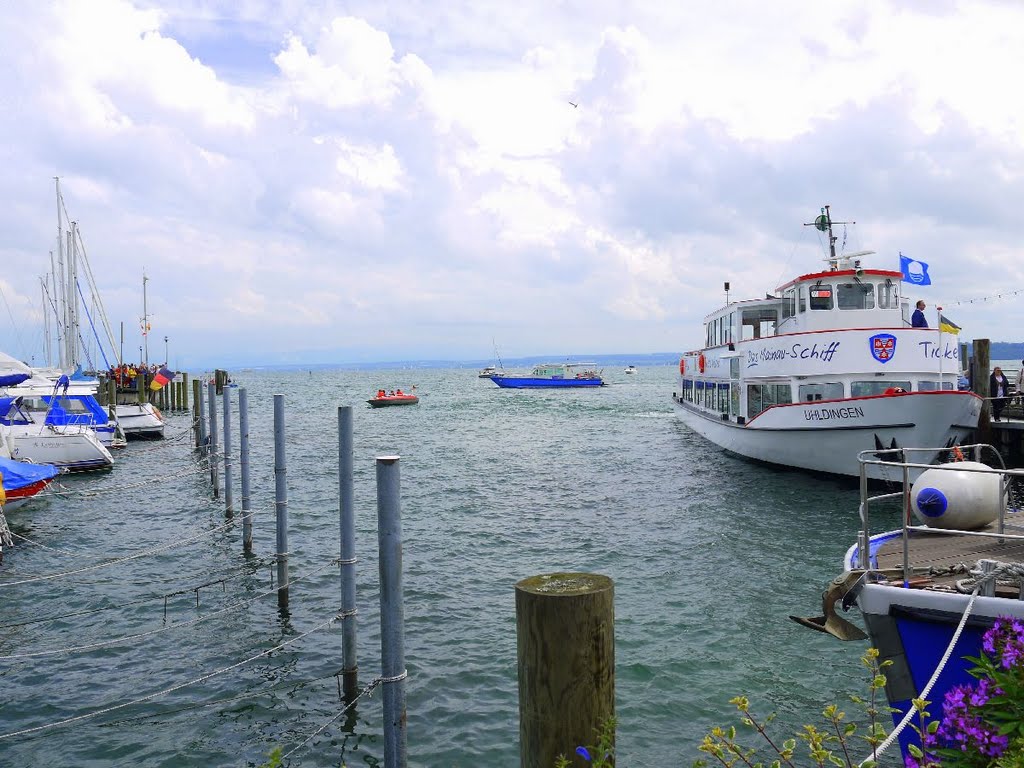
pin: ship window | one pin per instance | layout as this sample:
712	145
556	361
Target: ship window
932	386
888	296
801	296
828	390
855	296
735	399
787	304
760	397
734	368
876	387
821	296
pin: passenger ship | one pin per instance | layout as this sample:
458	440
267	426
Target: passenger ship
825	369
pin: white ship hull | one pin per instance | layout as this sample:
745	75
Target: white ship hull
140	420
826	436
76	449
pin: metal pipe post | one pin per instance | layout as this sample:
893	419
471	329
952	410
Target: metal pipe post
347	522
197	397
243	431
211	399
229	497
392	621
281	502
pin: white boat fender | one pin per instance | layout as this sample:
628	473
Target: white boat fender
957	499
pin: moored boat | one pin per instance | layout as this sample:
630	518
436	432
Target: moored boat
74	447
553	375
930	590
22	480
827	367
142	420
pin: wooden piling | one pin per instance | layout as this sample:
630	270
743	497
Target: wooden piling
565	629
184	391
979	385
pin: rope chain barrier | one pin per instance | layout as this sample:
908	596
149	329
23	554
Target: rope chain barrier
165	691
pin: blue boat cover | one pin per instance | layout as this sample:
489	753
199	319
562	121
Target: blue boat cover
18	474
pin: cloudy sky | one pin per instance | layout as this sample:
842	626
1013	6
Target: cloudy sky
360	181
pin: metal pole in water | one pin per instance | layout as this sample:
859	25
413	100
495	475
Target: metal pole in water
229	498
392	621
347	523
211	399
197	397
281	502
243	430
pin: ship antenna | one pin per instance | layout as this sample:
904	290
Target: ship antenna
823	223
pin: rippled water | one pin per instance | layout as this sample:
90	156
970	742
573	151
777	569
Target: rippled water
709	554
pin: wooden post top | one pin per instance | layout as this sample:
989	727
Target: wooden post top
565	584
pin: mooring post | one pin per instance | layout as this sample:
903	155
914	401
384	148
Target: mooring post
565	630
980	386
243	432
229	491
347	523
281	502
184	391
200	417
142	384
211	400
392	621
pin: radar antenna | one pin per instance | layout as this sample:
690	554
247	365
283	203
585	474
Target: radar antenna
823	223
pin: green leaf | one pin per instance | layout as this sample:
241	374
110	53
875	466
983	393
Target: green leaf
915	751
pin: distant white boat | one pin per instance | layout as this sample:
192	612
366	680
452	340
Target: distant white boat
631	369
488	372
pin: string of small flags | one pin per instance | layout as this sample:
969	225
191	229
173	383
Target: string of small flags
1003	295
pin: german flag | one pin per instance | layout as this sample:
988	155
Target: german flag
162	377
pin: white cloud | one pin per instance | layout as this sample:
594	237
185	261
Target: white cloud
284	160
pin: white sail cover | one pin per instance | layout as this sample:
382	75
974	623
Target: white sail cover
12	371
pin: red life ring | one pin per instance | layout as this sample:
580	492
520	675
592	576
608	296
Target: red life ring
700	362
682	366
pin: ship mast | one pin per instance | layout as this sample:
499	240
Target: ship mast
823	223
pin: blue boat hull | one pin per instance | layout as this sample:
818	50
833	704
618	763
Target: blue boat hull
529	382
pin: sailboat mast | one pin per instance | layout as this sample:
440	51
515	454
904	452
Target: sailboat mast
46	317
72	335
60	281
145	323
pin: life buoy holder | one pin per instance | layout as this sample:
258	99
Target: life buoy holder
682	366
700	362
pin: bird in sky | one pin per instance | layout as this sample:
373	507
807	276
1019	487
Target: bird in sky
574	104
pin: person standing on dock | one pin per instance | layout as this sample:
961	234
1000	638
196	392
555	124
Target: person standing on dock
999	388
917	320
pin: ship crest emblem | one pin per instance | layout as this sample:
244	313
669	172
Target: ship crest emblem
883	347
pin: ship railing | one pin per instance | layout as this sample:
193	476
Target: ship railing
900	459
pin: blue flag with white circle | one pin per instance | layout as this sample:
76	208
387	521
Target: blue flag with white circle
914	271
